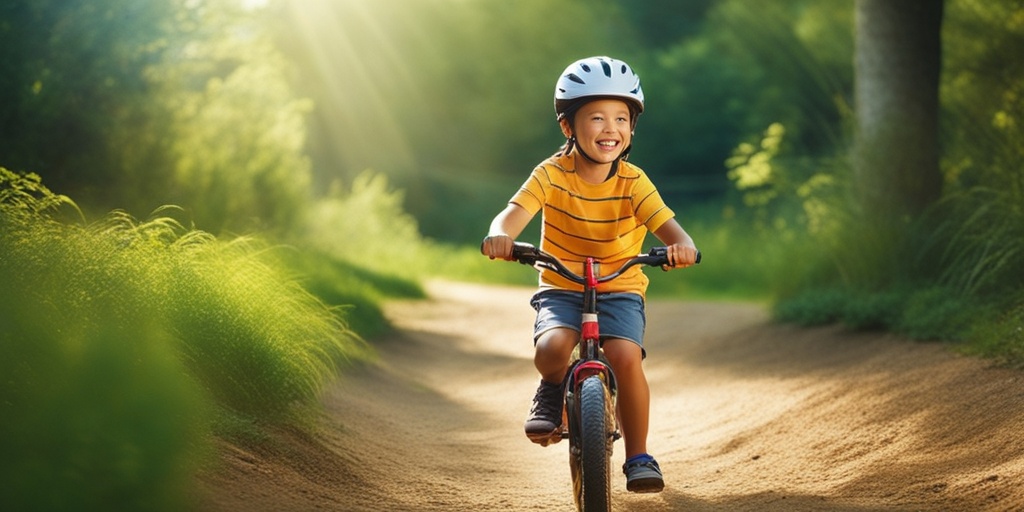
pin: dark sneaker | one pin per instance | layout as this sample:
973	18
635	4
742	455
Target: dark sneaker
544	426
643	474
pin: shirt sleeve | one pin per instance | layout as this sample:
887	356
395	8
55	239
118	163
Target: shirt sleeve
531	195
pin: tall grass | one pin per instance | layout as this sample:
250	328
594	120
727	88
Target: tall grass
364	226
124	344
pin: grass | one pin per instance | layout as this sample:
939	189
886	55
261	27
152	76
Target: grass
952	275
126	345
100	411
355	292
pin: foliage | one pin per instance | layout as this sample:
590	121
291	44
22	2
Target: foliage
90	383
366	225
236	138
134	105
25	195
783	63
121	341
933	313
983	101
939	276
71	85
1003	337
357	291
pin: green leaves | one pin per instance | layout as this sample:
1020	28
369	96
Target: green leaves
121	340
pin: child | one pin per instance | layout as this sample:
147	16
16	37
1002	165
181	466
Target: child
596	204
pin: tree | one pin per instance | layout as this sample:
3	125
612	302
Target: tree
897	69
72	85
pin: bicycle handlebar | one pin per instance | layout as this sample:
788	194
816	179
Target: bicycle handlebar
527	254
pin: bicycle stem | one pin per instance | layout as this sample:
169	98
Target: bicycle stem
589	329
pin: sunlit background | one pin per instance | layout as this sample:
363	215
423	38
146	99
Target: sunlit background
203	203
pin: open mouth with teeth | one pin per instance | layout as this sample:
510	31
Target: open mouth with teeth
608	143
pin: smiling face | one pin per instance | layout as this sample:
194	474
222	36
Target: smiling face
603	129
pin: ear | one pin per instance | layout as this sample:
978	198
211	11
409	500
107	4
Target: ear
566	129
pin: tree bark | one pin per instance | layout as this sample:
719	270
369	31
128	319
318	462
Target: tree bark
897	63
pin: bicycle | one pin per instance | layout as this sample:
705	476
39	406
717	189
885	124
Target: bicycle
590	390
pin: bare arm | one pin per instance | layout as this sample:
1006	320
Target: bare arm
505	227
682	252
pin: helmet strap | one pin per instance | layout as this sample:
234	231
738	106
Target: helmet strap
572	144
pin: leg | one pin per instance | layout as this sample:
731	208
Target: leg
642	472
554	347
634	399
551	357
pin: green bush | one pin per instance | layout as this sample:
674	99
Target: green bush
124	343
96	416
872	311
812	307
1001	337
939	313
99	411
356	291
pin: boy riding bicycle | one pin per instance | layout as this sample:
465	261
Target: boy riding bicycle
594	203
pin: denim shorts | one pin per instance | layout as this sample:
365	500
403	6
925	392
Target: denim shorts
620	315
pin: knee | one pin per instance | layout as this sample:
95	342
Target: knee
624	356
555	346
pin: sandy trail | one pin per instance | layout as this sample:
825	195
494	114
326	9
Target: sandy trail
746	416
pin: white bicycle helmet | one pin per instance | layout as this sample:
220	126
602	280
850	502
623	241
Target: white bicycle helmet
597	77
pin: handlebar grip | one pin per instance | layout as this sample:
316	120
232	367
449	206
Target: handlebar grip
525	253
658	256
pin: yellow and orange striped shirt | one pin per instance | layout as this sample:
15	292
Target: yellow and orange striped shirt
607	221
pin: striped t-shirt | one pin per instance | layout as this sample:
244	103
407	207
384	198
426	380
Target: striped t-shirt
608	220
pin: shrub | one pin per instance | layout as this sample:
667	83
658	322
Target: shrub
122	341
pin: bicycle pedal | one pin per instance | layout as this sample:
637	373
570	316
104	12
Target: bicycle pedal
547	439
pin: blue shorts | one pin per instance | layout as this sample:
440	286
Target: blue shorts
620	315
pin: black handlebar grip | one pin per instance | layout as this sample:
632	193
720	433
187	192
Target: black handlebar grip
524	253
662	252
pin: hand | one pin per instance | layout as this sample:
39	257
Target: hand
680	256
497	246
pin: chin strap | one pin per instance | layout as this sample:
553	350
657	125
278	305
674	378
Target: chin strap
571	144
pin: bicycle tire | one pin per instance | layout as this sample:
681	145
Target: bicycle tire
595	437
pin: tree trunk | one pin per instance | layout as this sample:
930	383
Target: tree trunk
897	63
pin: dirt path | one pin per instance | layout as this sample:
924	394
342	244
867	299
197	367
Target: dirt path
746	416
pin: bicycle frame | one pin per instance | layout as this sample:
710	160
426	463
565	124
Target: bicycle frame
590	361
592	423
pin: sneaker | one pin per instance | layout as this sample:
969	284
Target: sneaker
544	426
643	474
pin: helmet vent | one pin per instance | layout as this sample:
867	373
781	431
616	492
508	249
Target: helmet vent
585	67
607	68
574	78
623	69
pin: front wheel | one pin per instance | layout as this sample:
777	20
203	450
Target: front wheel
596	434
